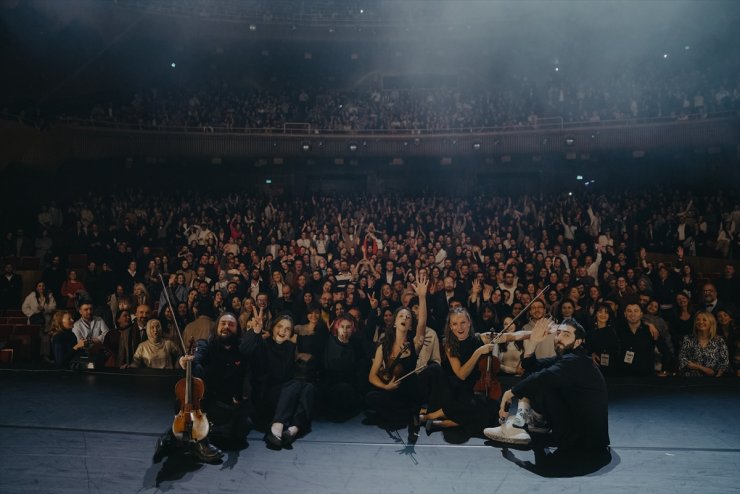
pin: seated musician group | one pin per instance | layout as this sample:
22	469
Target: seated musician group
272	376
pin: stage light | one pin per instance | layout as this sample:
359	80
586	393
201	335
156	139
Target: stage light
570	193
665	55
476	146
252	27
687	47
305	147
579	177
569	141
173	65
557	69
268	181
352	146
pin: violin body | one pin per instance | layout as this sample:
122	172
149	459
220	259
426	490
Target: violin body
190	423
488	383
387	373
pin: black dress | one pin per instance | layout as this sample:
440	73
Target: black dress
403	402
342	379
463	406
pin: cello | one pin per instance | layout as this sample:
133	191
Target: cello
190	423
489	366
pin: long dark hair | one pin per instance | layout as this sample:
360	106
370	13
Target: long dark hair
389	337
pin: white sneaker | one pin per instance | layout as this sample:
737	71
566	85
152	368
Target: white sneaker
521	419
507	433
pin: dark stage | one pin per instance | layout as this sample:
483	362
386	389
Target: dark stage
65	431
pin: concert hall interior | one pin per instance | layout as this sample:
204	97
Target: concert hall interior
367	246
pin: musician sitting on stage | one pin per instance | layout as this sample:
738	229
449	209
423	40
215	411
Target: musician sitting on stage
220	362
286	398
395	399
567	392
226	369
464	349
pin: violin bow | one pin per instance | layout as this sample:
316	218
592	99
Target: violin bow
523	311
174	315
417	370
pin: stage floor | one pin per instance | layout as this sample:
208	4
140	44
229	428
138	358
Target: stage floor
63	431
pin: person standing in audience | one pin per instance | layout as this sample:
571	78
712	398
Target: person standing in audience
728	330
202	327
156	352
71	287
637	341
602	341
704	353
90	332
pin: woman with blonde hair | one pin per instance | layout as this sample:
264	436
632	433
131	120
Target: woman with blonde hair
704	353
63	340
141	295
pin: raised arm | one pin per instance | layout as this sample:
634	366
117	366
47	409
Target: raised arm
420	287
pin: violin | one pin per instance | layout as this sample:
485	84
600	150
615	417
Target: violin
190	423
489	366
488	383
387	373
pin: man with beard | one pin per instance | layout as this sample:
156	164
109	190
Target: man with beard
567	394
225	370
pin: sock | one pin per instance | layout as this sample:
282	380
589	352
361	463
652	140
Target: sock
293	431
277	429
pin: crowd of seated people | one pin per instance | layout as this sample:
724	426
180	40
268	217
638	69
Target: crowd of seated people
510	101
338	277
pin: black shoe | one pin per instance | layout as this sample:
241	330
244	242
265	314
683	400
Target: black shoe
206	452
161	449
429	427
288	439
414	426
273	442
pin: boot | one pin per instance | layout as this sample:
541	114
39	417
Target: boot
163	447
206	452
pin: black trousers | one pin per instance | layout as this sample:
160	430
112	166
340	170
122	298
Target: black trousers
293	403
341	400
231	422
427	387
569	431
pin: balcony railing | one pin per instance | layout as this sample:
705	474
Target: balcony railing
86	140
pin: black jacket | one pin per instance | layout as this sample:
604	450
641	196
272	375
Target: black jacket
574	379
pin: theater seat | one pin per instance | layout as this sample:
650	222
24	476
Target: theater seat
6	332
26	339
77	261
29	264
